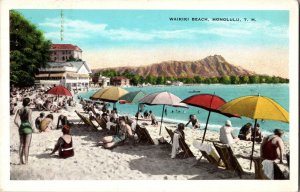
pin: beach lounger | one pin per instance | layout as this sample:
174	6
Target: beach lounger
186	152
143	135
229	159
171	134
278	173
86	121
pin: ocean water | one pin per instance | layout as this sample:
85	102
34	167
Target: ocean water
278	92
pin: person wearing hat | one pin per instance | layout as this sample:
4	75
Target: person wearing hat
226	134
64	144
258	134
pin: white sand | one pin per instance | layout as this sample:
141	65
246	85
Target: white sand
123	162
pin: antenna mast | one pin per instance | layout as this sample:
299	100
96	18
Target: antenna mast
61	25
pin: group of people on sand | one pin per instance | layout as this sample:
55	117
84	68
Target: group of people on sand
272	146
23	120
121	128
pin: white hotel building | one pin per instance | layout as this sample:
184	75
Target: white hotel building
75	74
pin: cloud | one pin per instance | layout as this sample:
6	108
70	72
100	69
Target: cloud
82	29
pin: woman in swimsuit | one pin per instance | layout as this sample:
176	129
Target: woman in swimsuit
64	145
110	141
25	130
272	146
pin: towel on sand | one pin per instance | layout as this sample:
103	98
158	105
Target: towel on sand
268	168
175	145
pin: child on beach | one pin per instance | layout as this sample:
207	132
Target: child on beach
226	134
258	134
25	129
64	145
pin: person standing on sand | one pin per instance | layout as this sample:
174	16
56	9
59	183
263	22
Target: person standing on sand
25	130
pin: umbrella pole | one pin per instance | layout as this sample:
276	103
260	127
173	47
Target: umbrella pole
162	117
137	117
253	144
206	126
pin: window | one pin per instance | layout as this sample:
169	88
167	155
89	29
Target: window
63	58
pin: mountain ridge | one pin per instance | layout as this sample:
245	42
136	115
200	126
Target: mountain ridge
210	66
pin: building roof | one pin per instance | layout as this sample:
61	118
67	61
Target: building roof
75	64
65	47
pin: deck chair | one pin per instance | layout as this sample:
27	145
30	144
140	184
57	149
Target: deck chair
143	135
171	134
186	152
259	173
278	174
228	158
101	123
86	121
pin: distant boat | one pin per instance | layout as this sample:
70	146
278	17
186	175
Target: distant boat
194	91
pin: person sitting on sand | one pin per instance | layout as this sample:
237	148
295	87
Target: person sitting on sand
245	132
47	123
25	129
272	147
13	108
62	119
111	141
146	114
258	134
38	120
194	121
153	118
178	134
226	134
64	145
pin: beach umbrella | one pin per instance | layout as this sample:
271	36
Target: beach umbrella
132	97
257	108
162	98
59	90
110	94
209	102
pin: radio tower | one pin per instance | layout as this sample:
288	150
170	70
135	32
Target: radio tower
61	25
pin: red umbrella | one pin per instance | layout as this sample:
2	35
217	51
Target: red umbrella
59	90
208	102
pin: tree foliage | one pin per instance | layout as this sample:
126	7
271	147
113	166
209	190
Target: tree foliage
137	79
29	50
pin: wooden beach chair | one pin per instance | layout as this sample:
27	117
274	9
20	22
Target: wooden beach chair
171	134
229	159
86	121
143	135
186	152
278	173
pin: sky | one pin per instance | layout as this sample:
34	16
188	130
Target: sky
256	40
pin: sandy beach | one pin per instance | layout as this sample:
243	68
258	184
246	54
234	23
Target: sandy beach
142	162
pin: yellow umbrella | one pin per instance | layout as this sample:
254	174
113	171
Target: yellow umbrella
110	94
256	107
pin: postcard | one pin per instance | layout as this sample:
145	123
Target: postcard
149	96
